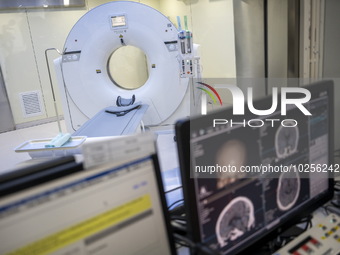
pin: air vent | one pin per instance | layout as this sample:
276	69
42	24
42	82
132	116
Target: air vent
31	103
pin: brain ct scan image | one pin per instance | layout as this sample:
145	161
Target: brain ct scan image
235	220
286	140
233	153
288	190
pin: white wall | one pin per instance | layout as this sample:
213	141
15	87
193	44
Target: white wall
331	64
212	23
24	37
277	39
17	59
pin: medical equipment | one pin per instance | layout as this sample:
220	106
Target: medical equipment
186	45
87	86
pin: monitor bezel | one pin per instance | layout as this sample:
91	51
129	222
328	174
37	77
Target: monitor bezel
183	135
29	176
166	213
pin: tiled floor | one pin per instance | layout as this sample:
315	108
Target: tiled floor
9	159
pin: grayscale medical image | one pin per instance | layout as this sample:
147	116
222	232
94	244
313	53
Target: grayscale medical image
235	220
288	190
231	153
286	140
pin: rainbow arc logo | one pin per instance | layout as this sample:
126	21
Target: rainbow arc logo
212	93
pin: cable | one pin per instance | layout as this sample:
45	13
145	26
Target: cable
174	203
197	247
178	227
309	223
326	208
187	241
282	240
334	204
178	217
142	126
179	187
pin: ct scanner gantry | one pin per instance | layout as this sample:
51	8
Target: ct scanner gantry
85	82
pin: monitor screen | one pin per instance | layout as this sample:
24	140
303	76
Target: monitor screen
112	207
245	176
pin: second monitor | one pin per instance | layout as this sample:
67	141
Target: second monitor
245	180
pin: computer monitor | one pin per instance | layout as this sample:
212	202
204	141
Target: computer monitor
35	174
115	208
253	176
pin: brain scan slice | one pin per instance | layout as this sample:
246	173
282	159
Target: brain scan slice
288	190
286	140
231	153
235	220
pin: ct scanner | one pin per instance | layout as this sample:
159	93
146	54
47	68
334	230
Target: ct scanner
82	71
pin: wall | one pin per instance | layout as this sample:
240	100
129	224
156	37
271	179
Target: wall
93	3
24	36
212	23
331	64
277	39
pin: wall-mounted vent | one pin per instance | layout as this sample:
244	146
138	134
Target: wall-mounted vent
31	103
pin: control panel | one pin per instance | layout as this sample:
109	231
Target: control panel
323	238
